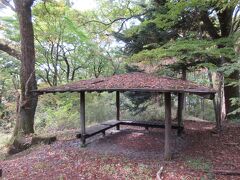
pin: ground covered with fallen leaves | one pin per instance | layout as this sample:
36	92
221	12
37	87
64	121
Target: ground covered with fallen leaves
133	153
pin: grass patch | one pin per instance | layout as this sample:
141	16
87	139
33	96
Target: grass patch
128	171
199	164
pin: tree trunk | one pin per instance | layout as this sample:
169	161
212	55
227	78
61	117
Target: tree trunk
28	101
231	92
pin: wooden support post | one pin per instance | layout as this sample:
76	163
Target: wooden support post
118	105
180	113
203	107
217	109
82	118
167	148
118	108
216	103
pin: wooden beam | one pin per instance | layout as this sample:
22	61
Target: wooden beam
167	147
118	107
180	113
82	117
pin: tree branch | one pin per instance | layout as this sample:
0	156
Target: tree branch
10	50
208	25
123	19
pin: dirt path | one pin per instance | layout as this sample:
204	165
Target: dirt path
132	154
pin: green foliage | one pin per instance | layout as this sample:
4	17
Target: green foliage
8	26
196	46
100	107
141	107
172	13
65	50
235	101
194	109
9	84
189	51
72	26
57	112
227	69
61	111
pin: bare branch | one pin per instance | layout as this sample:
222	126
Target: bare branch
123	19
10	50
27	83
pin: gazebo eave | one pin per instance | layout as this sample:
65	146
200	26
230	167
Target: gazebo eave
203	93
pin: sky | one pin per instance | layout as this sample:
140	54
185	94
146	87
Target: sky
6	12
84	4
80	5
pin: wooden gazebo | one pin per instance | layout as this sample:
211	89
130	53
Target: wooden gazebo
135	82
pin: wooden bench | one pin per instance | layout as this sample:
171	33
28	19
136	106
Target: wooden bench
99	128
147	124
104	126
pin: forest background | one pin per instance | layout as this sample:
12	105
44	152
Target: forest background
196	40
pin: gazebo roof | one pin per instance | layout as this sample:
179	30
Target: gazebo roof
131	82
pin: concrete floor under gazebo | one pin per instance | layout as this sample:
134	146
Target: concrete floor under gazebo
134	82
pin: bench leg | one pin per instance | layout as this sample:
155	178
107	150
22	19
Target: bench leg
118	127
103	133
180	130
83	141
146	128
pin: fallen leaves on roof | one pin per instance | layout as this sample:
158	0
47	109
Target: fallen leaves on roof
131	82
